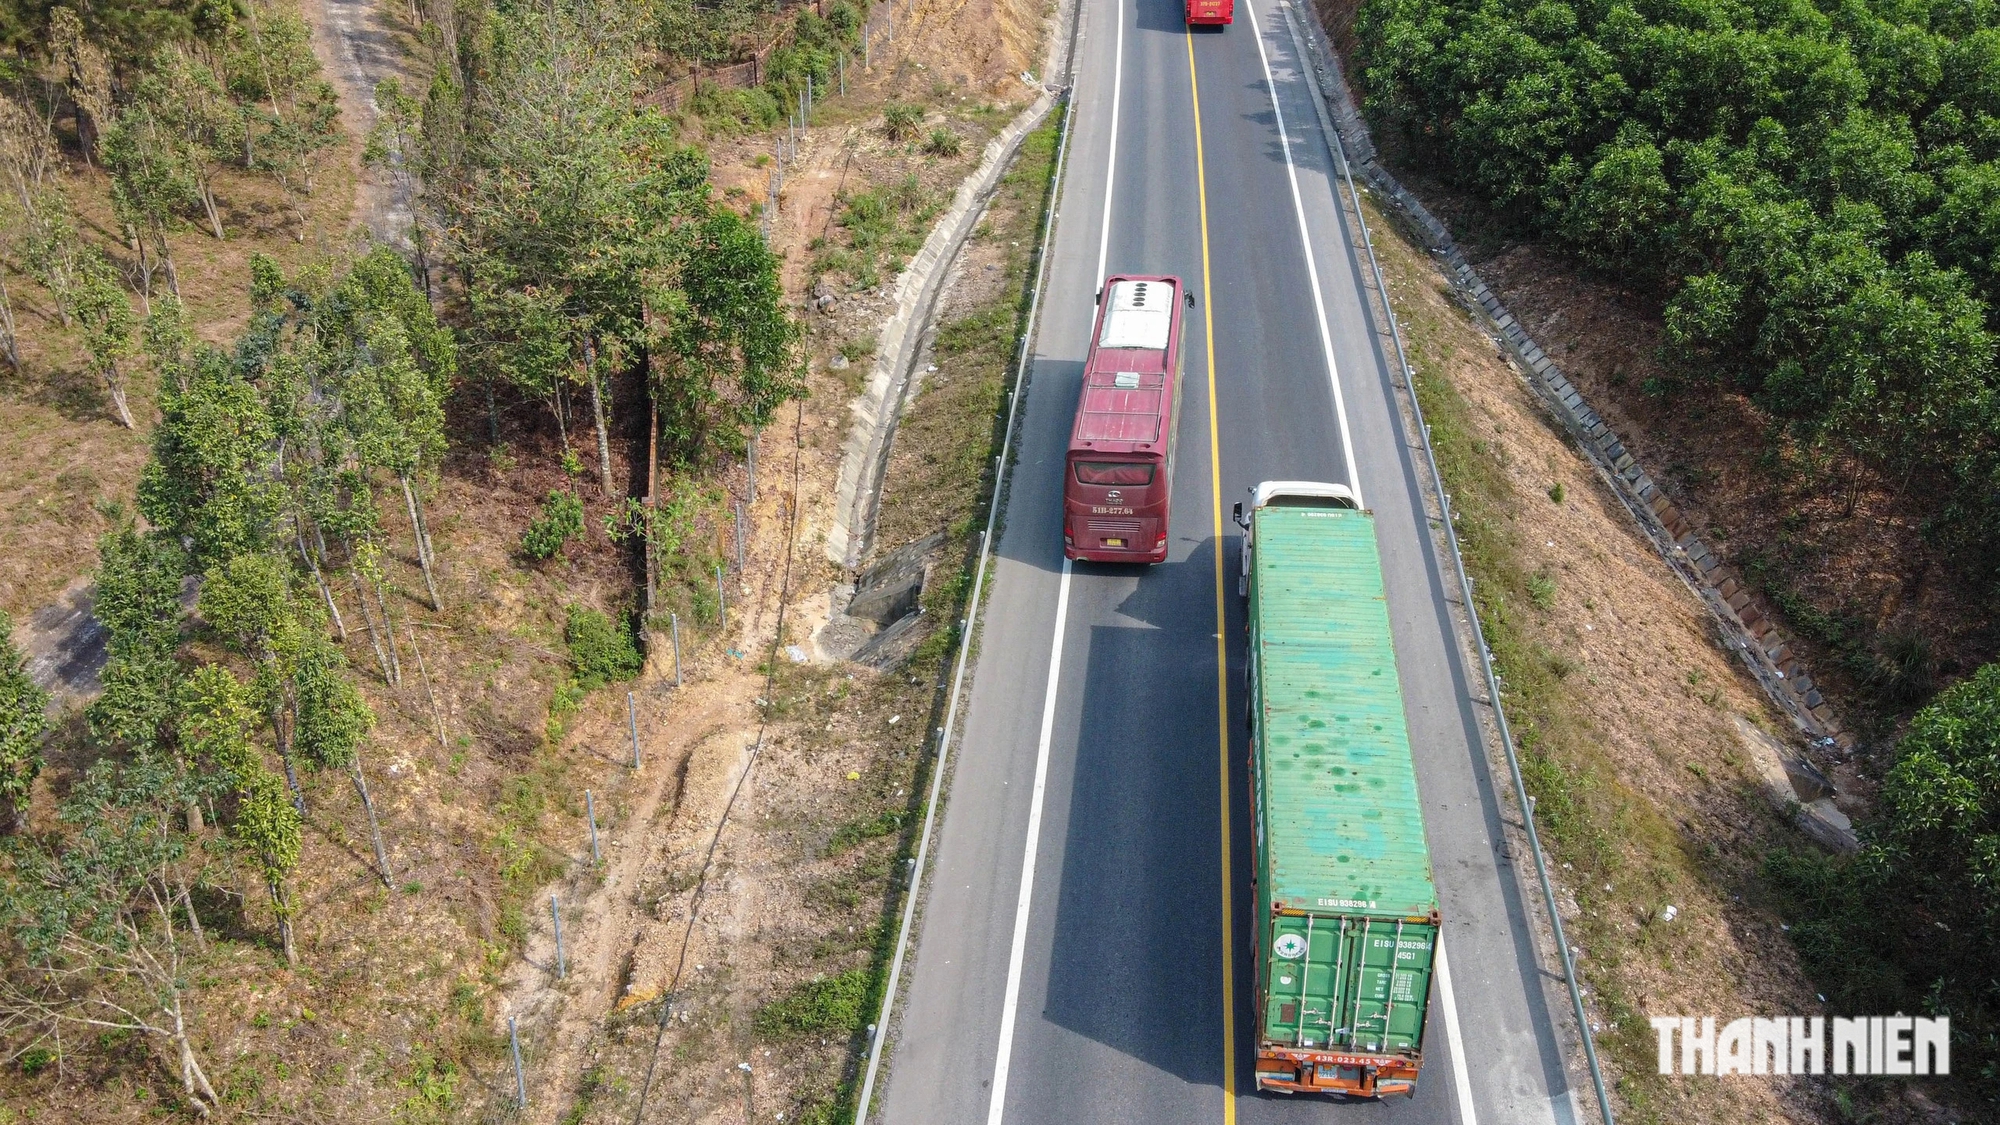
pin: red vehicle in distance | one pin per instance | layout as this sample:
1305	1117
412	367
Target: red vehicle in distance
1211	11
1118	477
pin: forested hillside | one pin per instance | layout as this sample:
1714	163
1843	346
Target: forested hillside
1807	197
571	291
1812	190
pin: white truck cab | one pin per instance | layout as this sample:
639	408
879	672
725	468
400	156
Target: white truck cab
1283	494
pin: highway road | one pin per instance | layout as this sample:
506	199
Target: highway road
1083	954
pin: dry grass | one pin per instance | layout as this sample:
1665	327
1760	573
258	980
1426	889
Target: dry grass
1623	704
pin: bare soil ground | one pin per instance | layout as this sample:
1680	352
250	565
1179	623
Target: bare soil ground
754	938
399	1009
1625	707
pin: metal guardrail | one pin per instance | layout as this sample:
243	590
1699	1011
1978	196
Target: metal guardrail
1338	149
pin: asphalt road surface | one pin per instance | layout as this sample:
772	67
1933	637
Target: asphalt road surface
1084	948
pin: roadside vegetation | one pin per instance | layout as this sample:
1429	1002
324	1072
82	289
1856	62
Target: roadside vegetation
1805	198
297	596
1625	715
941	477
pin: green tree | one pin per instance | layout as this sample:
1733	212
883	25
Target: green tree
151	184
196	117
207	483
88	916
268	829
137	599
23	721
108	320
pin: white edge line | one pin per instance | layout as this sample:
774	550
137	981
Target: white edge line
1111	160
1312	265
881	1034
1011	1004
1461	1080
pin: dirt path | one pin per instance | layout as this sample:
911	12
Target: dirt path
609	924
358	47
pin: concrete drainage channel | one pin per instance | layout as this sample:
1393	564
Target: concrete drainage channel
901	343
1790	780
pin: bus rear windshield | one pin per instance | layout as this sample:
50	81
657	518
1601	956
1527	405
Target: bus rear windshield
1114	472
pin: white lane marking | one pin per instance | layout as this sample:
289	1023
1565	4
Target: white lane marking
1003	1057
1312	265
1022	363
1461	1080
1008	1007
1111	161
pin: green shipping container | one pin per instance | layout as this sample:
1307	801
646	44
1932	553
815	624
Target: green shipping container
1347	913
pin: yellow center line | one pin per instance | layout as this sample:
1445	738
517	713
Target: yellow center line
1221	631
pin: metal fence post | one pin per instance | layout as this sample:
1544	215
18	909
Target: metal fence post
632	724
721	601
555	911
520	1081
739	537
590	813
840	67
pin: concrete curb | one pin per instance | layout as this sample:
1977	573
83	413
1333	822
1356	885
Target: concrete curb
1743	619
900	344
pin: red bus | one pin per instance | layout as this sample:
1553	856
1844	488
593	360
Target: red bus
1120	470
1211	11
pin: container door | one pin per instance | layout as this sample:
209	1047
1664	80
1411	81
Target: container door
1348	983
1305	958
1388	993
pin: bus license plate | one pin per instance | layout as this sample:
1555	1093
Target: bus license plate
1114	542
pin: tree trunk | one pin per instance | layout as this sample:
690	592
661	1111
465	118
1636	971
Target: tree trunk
597	415
374	828
562	418
325	591
437	712
112	381
193	1079
281	904
214	216
167	260
187	904
652	507
423	543
8	342
145	264
283	730
368	619
389	637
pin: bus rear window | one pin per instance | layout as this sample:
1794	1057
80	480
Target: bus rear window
1114	472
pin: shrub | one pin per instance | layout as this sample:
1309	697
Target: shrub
601	650
835	1004
942	142
900	120
560	520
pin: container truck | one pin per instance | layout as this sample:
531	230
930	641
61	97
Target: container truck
1347	920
